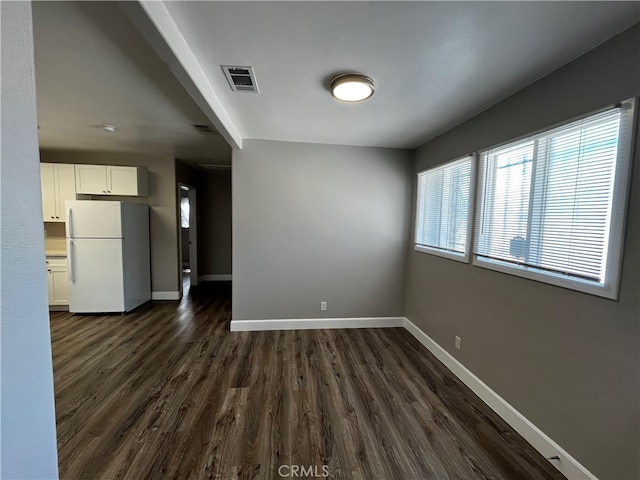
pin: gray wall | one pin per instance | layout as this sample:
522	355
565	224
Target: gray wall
27	420
570	362
316	223
162	200
216	206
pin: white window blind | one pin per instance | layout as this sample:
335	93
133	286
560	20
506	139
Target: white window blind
442	209
552	203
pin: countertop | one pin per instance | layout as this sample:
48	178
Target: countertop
55	253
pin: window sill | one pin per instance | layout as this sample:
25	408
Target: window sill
557	279
459	257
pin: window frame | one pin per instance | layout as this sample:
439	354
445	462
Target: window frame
450	254
619	207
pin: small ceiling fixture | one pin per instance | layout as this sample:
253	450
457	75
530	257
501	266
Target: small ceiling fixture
108	127
352	87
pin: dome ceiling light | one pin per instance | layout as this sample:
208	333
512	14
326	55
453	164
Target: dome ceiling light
352	87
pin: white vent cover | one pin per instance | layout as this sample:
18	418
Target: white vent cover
241	79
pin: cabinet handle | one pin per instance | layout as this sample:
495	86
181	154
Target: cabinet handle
49	270
108	191
52	216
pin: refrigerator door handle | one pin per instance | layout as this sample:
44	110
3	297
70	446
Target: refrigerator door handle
71	263
70	222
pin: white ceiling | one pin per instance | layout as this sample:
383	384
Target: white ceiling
435	65
93	66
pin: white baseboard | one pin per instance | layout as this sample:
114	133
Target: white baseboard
165	295
224	277
567	465
315	323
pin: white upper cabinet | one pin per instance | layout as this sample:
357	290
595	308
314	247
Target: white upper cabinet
58	184
48	192
112	180
91	179
125	181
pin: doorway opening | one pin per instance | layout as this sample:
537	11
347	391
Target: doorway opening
188	238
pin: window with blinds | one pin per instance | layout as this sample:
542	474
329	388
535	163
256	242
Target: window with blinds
442	209
551	207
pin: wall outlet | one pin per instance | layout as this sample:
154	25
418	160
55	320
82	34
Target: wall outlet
458	342
323	306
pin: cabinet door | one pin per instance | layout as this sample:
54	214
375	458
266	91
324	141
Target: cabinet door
65	187
59	294
91	179
50	286
48	192
58	280
122	180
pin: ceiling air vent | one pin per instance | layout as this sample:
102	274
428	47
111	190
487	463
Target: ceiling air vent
205	129
208	166
241	79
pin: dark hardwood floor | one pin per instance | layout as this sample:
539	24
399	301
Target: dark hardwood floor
169	392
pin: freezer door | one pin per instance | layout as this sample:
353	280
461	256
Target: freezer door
96	279
93	219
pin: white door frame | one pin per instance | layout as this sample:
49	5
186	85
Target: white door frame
193	233
193	236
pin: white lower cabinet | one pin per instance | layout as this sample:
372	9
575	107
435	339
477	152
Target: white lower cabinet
58	280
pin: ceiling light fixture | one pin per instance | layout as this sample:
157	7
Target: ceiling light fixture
108	128
352	87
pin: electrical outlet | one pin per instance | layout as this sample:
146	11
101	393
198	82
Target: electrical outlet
458	342
323	306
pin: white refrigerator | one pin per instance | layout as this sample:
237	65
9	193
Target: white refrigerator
107	255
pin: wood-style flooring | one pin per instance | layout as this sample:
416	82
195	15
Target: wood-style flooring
169	392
